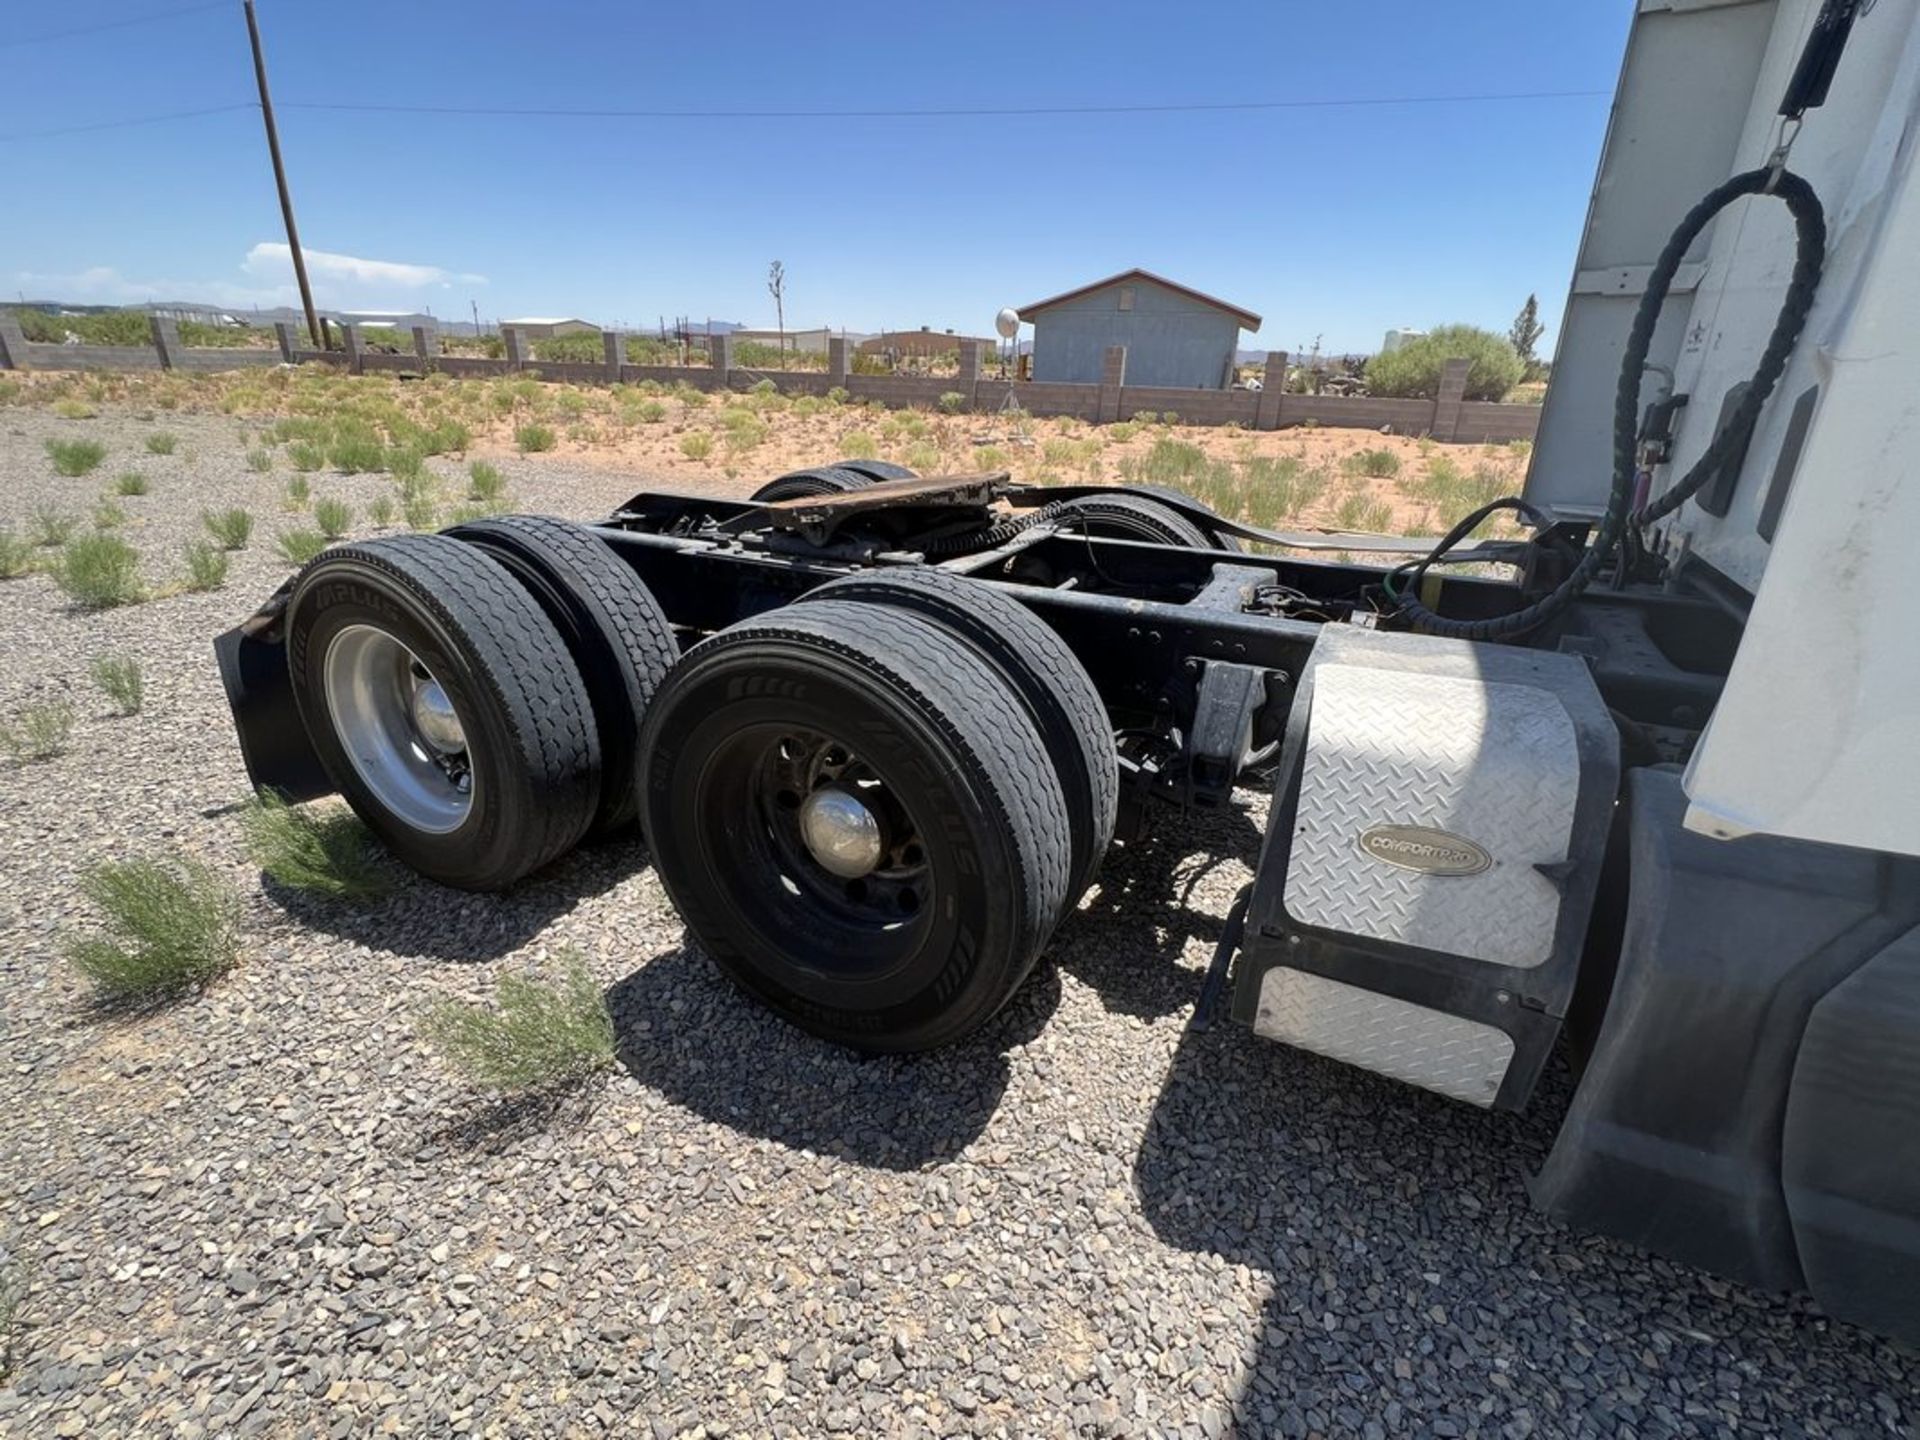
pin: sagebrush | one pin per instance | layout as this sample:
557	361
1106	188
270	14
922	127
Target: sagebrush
166	927
321	849
537	1033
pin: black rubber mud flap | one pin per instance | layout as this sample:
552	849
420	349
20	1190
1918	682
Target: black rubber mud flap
273	739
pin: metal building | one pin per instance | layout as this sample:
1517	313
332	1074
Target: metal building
1175	336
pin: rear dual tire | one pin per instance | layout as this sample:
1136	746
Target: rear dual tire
911	912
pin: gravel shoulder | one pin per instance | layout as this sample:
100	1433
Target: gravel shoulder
270	1211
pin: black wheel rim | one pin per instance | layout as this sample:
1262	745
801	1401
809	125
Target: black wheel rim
762	793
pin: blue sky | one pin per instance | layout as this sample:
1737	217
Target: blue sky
1338	221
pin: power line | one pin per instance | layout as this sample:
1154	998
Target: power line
971	112
132	120
111	25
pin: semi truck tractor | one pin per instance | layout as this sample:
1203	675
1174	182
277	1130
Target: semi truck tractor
1632	781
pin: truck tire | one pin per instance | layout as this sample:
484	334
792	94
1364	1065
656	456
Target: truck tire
444	705
863	829
824	480
877	470
1134	517
613	627
1220	540
1059	697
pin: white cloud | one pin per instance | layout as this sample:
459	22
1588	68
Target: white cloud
266	278
274	259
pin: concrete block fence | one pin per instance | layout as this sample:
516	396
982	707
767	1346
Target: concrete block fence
1449	416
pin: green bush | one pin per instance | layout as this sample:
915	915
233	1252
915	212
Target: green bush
333	516
533	438
953	402
259	461
1378	463
299	546
405	463
306	455
380	511
75	457
16	555
299	492
206	566
486	483
108	513
356	451
15	1283
420	507
325	851
131	482
1361	512
52	526
650	412
588	349
232	528
696	444
539	1033
121	681
99	571
168	928
838	395
161	443
39	732
1414	369
74	410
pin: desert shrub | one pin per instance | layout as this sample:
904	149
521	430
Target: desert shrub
532	438
650	412
859	445
1167	462
405	463
52	526
588	349
838	395
15	1283
206	566
299	546
380	511
333	516
161	443
355	452
306	455
696	444
299	493
537	1033
745	430
485	482
1361	511
38	732
259	461
922	457
167	928
75	457
131	482
952	402
120	679
99	571
1122	431
16	555
1378	463
323	850
232	528
1414	369
420	508
108	513
990	457
1146	417
69	409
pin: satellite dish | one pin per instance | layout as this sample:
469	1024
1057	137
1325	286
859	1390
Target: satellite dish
1007	322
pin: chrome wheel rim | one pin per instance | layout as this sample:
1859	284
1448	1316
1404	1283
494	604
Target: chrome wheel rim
400	729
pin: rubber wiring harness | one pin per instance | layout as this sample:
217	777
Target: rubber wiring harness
1810	236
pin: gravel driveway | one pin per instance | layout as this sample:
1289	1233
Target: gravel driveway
269	1211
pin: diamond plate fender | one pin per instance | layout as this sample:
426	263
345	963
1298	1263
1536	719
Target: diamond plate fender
1435	841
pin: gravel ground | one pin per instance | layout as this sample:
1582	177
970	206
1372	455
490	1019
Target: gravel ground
269	1211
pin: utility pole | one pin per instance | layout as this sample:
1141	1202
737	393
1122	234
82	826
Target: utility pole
476	318
280	177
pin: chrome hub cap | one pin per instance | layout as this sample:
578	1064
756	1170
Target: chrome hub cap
399	728
842	834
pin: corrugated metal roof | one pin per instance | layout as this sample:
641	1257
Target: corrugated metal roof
1248	320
